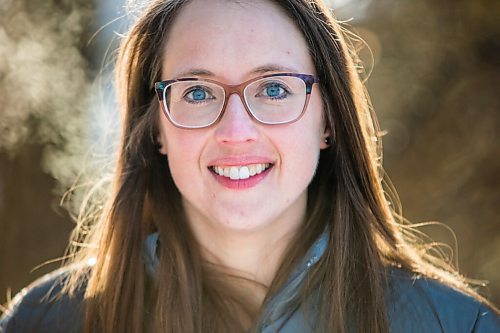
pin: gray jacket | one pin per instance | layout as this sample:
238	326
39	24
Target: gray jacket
414	304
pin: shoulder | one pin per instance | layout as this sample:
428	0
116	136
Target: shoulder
417	303
42	307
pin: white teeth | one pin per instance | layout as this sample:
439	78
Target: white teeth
244	173
240	172
234	173
258	168
251	170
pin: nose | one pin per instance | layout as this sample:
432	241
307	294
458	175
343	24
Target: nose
236	125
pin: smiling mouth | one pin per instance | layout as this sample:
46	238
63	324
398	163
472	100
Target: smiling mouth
240	171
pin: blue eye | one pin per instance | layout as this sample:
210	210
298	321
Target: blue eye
198	94
274	90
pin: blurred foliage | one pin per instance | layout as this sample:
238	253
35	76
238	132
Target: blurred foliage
434	86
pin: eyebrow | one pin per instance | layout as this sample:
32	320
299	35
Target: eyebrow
194	72
271	68
259	70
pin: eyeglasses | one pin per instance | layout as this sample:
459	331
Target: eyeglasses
272	99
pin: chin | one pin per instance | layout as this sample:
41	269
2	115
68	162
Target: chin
239	224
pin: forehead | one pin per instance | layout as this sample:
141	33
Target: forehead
231	39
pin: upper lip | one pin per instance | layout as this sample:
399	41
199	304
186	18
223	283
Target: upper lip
239	160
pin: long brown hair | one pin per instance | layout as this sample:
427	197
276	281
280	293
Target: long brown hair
346	197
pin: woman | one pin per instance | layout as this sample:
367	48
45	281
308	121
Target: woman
248	195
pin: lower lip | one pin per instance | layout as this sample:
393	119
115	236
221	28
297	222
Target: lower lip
241	184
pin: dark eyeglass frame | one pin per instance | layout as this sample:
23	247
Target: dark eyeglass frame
238	89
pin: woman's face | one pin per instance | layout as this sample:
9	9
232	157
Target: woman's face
231	43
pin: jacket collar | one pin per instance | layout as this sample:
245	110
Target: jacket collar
277	308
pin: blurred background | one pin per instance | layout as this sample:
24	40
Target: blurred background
434	83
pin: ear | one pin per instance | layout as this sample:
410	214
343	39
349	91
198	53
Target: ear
162	144
326	139
161	137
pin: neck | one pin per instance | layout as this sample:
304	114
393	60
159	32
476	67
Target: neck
255	255
251	254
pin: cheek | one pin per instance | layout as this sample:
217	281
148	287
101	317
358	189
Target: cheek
310	129
181	164
308	137
317	110
184	152
300	145
180	151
